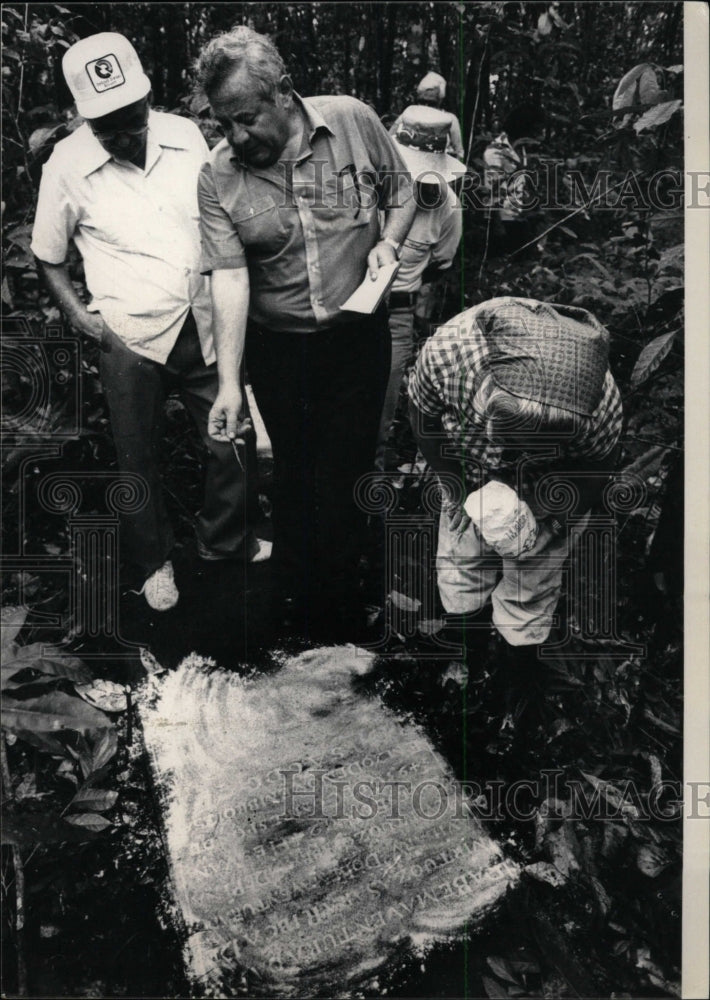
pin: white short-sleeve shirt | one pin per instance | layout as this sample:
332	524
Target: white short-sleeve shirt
137	232
433	237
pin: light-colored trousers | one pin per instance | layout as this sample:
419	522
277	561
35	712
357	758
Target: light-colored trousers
524	592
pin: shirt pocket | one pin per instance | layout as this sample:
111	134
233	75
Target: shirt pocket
414	251
260	225
347	200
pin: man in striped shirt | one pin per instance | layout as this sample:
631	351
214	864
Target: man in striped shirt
518	391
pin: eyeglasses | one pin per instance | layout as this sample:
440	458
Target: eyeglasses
112	136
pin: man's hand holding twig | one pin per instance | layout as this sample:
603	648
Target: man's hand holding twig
225	423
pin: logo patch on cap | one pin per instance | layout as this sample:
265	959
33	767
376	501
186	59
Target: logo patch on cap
105	73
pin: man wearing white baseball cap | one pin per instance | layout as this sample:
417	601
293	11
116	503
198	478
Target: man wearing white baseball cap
123	187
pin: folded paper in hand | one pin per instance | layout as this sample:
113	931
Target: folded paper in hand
367	296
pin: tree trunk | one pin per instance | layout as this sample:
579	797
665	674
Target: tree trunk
157	71
476	96
176	57
389	58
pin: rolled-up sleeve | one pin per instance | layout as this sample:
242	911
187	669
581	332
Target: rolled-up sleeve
55	219
222	248
394	182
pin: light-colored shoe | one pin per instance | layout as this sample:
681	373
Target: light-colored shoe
264	552
159	589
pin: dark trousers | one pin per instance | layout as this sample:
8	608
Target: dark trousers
135	388
321	396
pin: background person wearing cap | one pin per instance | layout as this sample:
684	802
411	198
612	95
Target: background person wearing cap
123	186
431	92
290	229
430	245
514	390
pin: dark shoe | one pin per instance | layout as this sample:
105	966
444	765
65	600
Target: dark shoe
471	631
521	680
292	616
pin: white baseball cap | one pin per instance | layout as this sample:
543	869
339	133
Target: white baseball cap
104	74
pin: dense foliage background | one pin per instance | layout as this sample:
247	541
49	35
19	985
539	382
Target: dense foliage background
611	921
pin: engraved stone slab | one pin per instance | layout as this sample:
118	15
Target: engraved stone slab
312	834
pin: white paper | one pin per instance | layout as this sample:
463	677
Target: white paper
368	295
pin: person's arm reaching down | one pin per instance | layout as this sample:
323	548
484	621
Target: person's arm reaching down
230	302
428	434
90	324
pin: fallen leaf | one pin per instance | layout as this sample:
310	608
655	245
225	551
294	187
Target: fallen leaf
50	713
403	603
613	796
106	695
149	662
651	860
545	872
456	672
430	626
562	847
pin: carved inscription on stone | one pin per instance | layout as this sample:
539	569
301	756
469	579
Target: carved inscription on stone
311	833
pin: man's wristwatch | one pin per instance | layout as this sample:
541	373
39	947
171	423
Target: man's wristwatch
393	243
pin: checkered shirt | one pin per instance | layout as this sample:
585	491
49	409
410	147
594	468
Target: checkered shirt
443	384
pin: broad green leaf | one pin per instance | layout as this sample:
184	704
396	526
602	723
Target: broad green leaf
672	258
28	829
49	660
21	236
90	821
94	799
493	989
657	116
104	749
49	713
7	293
638	86
7	674
41	136
12	618
43	742
650	358
502	968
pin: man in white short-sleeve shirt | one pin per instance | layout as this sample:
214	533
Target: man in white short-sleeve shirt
123	187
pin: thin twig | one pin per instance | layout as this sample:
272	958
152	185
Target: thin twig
661	444
577	211
478	94
19	882
20	921
6	776
22	66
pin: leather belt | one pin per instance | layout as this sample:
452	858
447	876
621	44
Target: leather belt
402	300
